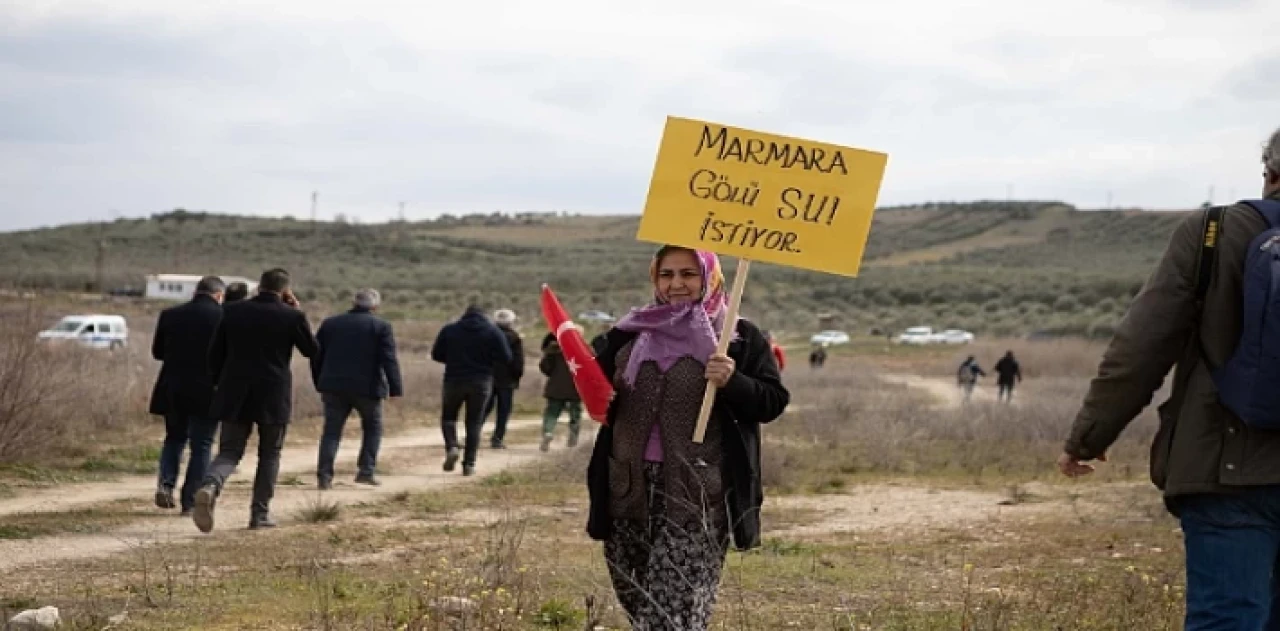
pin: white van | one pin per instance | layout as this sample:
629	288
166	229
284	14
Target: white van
94	330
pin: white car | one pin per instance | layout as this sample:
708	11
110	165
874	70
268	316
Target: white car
595	316
93	330
917	335
955	336
829	338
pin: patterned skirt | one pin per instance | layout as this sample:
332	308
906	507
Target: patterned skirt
665	574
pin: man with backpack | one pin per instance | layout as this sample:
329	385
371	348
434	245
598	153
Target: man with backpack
1208	309
967	376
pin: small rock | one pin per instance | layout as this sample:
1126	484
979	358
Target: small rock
1077	561
36	619
455	605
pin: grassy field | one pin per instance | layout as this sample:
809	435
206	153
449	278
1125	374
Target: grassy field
993	267
889	507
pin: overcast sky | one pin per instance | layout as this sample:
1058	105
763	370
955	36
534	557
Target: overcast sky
129	107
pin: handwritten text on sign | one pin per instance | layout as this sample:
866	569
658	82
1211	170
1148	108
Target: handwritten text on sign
762	197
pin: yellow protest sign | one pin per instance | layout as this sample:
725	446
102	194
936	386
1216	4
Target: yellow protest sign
762	197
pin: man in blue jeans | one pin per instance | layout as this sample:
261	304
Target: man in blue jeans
1220	476
356	368
184	389
469	348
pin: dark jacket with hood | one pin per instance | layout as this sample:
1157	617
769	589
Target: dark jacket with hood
469	348
357	356
754	396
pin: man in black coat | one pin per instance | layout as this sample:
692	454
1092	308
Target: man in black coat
1008	372
249	360
506	377
356	368
183	390
468	348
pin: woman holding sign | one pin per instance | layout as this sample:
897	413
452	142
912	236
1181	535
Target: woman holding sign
664	505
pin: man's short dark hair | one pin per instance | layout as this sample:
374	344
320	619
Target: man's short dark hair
274	280
210	285
236	291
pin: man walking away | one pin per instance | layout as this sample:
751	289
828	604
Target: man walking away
356	368
818	357
561	394
506	377
236	292
468	348
249	360
183	390
967	376
1216	455
1007	373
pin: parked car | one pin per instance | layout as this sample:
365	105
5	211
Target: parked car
595	316
955	336
917	335
93	330
830	338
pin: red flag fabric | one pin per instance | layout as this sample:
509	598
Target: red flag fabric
594	388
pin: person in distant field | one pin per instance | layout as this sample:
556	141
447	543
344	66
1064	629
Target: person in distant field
236	292
183	390
1008	372
506	378
356	368
560	392
818	356
778	354
249	360
469	348
1219	473
967	376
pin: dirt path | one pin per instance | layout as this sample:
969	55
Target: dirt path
293	460
946	391
232	514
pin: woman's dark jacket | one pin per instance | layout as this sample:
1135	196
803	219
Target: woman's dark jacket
754	396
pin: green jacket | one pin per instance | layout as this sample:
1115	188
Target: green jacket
1200	446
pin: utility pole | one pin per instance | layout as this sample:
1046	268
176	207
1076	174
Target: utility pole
314	197
401	212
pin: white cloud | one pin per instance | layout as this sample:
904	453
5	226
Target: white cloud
246	107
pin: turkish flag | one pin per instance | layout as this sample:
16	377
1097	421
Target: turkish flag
594	388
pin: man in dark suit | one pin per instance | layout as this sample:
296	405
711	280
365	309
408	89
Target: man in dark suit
249	360
183	390
468	348
355	368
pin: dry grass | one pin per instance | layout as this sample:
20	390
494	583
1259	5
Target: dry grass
60	400
862	428
1086	556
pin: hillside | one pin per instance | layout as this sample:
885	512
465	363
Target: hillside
995	267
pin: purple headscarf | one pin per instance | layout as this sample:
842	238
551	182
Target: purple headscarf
668	332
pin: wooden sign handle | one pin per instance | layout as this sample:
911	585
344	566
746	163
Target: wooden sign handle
726	335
